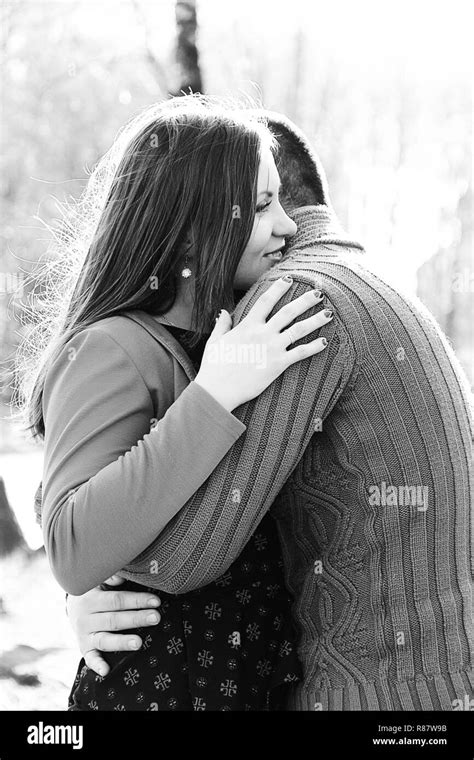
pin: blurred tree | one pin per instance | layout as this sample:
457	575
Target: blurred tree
453	303
156	65
446	280
187	69
11	536
63	98
293	108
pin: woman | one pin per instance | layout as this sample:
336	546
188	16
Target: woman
182	198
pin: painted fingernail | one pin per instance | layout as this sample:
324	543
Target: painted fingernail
287	278
153	618
324	341
317	294
153	602
132	644
327	313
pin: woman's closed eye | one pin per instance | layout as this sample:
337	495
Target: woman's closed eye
263	207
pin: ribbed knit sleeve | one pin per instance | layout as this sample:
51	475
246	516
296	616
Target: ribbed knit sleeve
104	494
215	524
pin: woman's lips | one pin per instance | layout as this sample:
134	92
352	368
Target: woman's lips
274	255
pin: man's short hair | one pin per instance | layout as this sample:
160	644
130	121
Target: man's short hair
301	173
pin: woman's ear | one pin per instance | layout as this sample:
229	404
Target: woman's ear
189	244
188	249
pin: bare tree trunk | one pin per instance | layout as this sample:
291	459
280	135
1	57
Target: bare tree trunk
405	118
156	65
458	320
11	536
295	86
188	73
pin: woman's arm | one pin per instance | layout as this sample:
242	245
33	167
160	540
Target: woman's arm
215	524
101	505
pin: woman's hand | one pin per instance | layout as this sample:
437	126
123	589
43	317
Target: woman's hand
97	613
239	363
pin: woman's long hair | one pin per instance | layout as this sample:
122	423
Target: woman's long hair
187	165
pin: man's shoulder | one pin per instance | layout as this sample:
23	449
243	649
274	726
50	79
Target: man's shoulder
318	268
335	267
301	281
346	279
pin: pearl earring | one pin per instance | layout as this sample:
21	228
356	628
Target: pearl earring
186	272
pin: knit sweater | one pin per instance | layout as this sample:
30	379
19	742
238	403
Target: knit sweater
375	518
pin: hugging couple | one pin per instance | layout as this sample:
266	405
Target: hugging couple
237	534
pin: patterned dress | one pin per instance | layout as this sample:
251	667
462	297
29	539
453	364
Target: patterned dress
230	645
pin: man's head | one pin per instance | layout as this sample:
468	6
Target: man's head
301	173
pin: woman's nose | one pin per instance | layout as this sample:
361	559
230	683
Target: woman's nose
286	227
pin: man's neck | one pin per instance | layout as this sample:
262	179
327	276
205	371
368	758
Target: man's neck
318	224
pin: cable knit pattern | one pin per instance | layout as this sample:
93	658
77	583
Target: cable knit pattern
381	576
375	519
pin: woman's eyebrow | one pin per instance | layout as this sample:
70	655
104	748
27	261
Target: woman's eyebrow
269	192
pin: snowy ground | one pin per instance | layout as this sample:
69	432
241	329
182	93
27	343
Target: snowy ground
22	473
35	636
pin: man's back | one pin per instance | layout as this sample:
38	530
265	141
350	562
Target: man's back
375	519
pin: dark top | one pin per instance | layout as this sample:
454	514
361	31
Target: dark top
227	646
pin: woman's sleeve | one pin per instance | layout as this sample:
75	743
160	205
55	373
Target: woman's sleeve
109	482
211	530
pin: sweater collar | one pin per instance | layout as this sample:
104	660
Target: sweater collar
316	225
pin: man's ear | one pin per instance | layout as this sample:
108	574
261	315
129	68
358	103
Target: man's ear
288	205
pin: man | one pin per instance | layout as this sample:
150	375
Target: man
374	514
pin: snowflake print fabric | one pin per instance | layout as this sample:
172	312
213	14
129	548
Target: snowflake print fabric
228	646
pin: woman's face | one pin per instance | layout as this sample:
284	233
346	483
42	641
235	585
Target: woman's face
270	228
